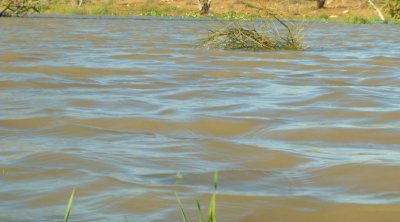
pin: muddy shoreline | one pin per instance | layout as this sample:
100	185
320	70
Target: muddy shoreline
351	11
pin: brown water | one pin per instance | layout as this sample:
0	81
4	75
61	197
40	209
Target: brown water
117	107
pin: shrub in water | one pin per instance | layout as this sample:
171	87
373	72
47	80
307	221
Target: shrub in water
246	36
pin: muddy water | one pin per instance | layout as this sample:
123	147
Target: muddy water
119	107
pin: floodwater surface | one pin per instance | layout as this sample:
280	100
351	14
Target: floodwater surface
128	111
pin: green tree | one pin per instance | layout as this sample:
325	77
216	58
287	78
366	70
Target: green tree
204	6
18	7
392	7
320	3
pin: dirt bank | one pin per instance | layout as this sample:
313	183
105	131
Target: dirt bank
290	9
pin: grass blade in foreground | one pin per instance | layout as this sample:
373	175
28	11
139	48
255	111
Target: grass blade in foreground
181	208
200	214
211	210
69	206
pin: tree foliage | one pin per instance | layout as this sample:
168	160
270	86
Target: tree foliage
320	4
18	7
204	6
392	7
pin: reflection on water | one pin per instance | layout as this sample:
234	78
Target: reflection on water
116	107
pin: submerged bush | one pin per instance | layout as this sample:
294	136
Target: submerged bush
244	36
275	35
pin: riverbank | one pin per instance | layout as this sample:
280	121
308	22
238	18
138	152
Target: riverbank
348	11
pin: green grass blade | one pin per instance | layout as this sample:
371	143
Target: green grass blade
211	209
215	182
181	208
200	214
68	210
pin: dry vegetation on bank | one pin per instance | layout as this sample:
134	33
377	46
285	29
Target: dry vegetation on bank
18	7
223	9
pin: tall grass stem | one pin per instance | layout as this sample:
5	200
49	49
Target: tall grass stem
69	206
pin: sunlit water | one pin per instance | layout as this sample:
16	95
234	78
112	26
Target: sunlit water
130	110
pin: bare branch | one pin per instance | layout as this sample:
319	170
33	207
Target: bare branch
199	3
377	10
